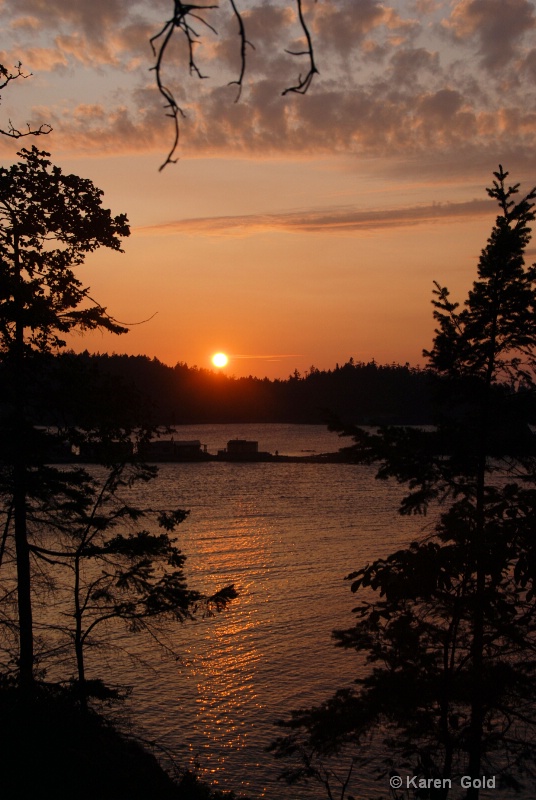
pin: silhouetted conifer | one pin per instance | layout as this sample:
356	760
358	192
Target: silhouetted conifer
448	624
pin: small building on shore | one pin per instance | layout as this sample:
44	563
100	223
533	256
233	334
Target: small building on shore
242	447
171	450
242	450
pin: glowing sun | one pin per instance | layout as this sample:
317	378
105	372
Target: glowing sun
219	359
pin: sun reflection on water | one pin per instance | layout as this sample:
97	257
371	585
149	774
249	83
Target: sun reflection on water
285	535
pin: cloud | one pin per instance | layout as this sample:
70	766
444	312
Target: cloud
441	105
36	59
271	357
96	33
86	112
407	64
530	64
376	120
498	25
25	23
423	7
386	119
96	129
387	87
402	122
343	25
341	220
93	18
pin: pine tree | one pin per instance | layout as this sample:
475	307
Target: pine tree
448	624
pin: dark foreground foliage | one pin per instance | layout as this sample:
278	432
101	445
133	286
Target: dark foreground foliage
51	748
445	627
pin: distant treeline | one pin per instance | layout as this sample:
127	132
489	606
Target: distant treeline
355	391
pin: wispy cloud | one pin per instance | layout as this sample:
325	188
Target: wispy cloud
276	357
339	220
497	25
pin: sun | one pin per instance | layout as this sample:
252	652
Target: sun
219	359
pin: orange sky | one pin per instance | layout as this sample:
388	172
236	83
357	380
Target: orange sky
294	230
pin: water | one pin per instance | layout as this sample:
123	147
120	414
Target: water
288	440
285	534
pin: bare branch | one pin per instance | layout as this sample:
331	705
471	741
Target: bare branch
243	45
183	15
183	12
303	83
15	133
7	77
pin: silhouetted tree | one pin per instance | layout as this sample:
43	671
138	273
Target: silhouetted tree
116	560
69	521
48	223
448	624
364	393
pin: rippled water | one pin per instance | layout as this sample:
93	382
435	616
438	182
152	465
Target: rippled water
285	535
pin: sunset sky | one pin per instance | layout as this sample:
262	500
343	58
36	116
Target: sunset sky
294	230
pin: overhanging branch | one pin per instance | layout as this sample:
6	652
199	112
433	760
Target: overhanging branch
184	14
303	83
7	77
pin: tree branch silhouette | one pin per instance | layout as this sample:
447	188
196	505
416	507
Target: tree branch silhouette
303	83
185	15
243	45
7	77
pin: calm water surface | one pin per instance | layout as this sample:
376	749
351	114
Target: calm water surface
285	535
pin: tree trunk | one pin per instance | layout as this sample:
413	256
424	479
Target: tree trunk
476	730
78	638
26	646
20	491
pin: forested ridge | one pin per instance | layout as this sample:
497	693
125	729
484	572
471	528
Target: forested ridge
356	391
